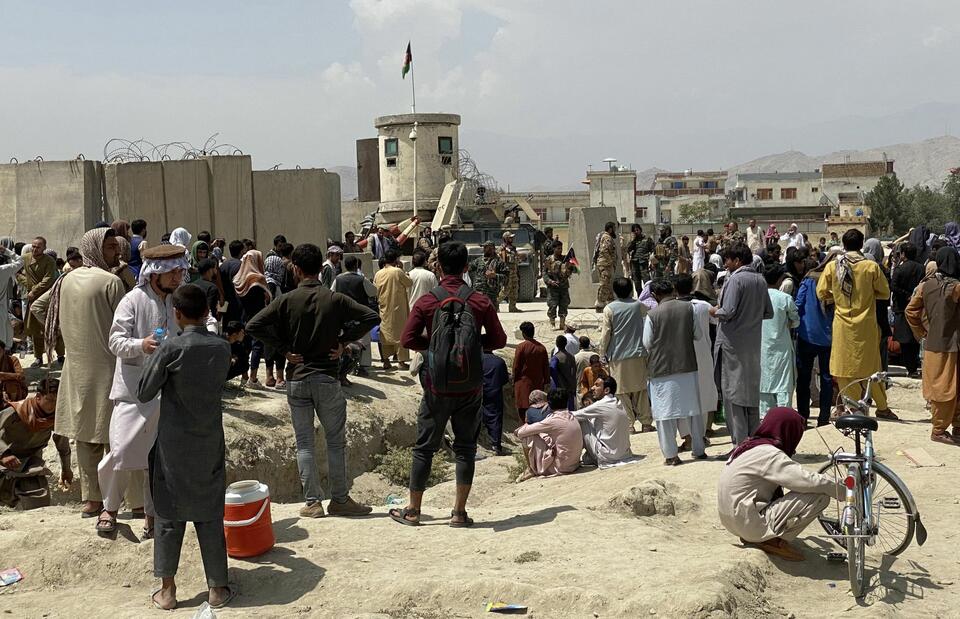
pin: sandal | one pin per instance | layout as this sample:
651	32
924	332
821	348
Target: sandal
281	385
400	515
148	533
271	382
138	513
466	522
231	593
156	604
106	525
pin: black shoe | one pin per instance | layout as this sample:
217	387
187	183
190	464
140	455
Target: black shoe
361	371
59	360
702	456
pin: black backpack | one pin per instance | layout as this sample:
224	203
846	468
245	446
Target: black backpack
455	357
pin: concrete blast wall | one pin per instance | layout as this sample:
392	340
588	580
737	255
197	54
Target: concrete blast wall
231	196
303	205
585	225
186	192
59	200
135	191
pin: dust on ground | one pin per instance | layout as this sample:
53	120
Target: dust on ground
638	540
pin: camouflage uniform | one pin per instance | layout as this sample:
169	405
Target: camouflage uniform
728	240
639	250
508	255
665	255
557	278
490	287
606	261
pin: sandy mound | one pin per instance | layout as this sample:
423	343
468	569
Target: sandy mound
654	497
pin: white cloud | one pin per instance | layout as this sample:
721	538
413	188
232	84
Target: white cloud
936	37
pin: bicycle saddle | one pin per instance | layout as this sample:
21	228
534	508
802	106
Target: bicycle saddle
860	423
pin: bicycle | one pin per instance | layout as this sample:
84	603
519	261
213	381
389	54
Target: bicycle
878	510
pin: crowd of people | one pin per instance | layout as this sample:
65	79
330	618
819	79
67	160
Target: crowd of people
146	335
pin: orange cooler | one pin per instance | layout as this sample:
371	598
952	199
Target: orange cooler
247	524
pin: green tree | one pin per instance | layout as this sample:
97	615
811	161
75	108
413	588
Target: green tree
695	212
925	205
886	209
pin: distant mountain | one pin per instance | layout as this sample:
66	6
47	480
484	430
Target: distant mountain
348	181
919	163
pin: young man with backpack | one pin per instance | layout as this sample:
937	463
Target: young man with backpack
446	325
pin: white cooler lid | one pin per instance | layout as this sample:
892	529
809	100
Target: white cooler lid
246	491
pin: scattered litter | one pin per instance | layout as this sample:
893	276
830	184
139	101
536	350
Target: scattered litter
393	499
832	585
919	457
944	582
506	609
10	576
205	612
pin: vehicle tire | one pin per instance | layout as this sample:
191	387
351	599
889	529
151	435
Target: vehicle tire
893	507
526	284
856	545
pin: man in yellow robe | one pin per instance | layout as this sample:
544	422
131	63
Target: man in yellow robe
854	284
393	294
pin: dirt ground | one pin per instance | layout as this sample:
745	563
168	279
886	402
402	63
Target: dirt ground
637	540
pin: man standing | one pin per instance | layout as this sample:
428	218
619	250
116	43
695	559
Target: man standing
731	236
423	279
393	288
462	410
934	314
355	285
377	243
638	253
546	248
664	253
38	275
853	285
531	369
488	273
207	270
80	307
905	279
425	242
310	325
133	337
793	237
778	360
138	243
754	236
350	244
668	337
331	266
508	255
621	342
556	275
605	259
743	306
229	270
563	371
495	377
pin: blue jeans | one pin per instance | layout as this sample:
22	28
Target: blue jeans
806	353
320	395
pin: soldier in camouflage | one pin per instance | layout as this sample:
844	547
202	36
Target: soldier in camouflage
605	259
509	256
556	276
665	253
488	273
731	236
638	253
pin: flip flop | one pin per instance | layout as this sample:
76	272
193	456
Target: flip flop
231	594
400	515
467	520
156	604
91	514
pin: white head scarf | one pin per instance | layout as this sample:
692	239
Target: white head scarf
180	237
153	266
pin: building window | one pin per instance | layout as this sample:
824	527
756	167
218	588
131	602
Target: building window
391	147
677	185
642	213
710	184
445	145
391	162
765	194
814	189
788	193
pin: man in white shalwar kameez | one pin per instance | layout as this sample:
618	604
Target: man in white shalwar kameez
668	337
133	426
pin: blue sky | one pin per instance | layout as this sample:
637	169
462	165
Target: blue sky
545	87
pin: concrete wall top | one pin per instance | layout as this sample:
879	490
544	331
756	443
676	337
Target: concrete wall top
135	191
186	190
303	205
231	196
59	200
423	119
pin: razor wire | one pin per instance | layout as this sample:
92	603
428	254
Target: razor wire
120	150
487	189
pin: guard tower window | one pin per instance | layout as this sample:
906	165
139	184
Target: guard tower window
390	150
445	148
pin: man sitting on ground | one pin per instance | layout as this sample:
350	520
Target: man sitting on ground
552	446
606	429
538	409
25	429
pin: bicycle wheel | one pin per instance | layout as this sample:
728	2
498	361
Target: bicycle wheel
853	527
894	520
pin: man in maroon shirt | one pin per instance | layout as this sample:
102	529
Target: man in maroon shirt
463	411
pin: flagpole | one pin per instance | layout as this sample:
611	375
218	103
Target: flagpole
413	90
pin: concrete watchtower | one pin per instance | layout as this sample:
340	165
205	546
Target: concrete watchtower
437	147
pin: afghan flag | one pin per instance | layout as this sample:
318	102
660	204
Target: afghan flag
571	258
407	60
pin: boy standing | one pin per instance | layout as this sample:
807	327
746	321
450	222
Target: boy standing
187	461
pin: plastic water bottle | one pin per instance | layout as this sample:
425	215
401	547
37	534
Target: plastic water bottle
159	334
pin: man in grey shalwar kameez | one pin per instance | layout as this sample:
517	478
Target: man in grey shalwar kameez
744	305
187	477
